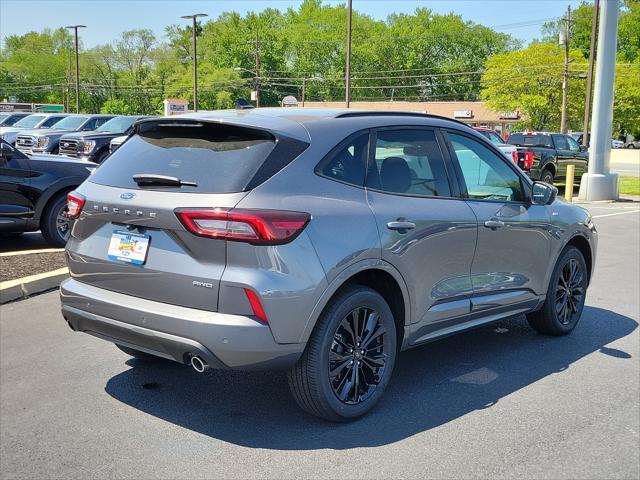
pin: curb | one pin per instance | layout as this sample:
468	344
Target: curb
27	252
23	287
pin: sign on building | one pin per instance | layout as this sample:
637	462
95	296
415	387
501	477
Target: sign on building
463	114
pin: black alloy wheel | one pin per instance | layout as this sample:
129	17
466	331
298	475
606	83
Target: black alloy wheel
569	292
358	354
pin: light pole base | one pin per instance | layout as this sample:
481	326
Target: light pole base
599	186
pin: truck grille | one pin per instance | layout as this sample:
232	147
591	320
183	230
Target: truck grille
25	141
68	148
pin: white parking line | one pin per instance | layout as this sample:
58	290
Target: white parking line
612	214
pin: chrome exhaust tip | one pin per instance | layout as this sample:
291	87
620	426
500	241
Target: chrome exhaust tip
198	364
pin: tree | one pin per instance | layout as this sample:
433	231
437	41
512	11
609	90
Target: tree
581	23
530	80
115	106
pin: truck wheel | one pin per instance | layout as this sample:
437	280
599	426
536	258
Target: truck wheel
547	176
565	296
349	358
147	357
55	223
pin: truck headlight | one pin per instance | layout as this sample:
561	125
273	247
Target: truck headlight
88	146
43	142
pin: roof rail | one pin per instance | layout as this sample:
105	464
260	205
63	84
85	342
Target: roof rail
388	113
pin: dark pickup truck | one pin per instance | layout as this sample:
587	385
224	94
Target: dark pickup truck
94	146
545	156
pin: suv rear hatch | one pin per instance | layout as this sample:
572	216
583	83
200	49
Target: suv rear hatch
129	237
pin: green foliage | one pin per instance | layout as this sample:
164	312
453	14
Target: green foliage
115	106
530	80
418	56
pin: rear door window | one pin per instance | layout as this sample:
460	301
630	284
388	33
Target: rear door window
217	158
408	161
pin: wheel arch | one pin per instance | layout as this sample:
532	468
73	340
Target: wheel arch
377	275
582	244
57	188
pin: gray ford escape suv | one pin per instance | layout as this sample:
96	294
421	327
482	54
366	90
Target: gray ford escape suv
319	241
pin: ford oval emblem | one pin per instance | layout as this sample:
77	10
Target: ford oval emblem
127	195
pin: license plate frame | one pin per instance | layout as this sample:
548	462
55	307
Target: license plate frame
128	247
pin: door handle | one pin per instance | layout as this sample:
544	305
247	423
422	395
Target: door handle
401	226
494	224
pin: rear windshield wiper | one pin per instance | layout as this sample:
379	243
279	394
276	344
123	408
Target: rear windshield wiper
149	179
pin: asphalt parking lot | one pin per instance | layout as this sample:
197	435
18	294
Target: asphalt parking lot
500	401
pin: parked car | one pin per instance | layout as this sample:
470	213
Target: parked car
116	142
578	137
320	242
40	121
509	151
33	192
94	146
48	141
632	144
7	119
544	156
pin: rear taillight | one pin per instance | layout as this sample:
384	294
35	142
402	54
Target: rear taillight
256	306
514	155
527	160
75	202
258	227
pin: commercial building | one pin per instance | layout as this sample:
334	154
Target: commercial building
476	114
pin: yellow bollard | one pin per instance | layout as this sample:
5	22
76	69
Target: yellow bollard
568	189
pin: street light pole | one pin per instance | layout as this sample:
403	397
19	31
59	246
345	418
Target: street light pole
75	30
565	80
195	55
599	183
348	61
592	55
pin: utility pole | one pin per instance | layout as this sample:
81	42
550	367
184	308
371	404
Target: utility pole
565	81
304	84
75	29
599	183
592	56
257	80
348	62
194	29
68	81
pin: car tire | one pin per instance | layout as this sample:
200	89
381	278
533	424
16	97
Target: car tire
631	146
55	225
563	306
340	395
144	356
547	176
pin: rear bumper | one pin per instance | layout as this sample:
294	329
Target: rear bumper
173	332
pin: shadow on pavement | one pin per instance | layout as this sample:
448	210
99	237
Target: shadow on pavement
432	385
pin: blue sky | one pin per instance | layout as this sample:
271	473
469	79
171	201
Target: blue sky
105	19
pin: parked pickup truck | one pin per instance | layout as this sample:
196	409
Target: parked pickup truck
544	156
47	141
94	146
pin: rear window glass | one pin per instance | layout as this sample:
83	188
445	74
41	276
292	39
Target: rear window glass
217	158
530	140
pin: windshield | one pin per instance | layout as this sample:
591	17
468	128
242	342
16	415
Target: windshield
493	137
117	125
70	123
30	121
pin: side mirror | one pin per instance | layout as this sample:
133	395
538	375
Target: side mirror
6	152
543	193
